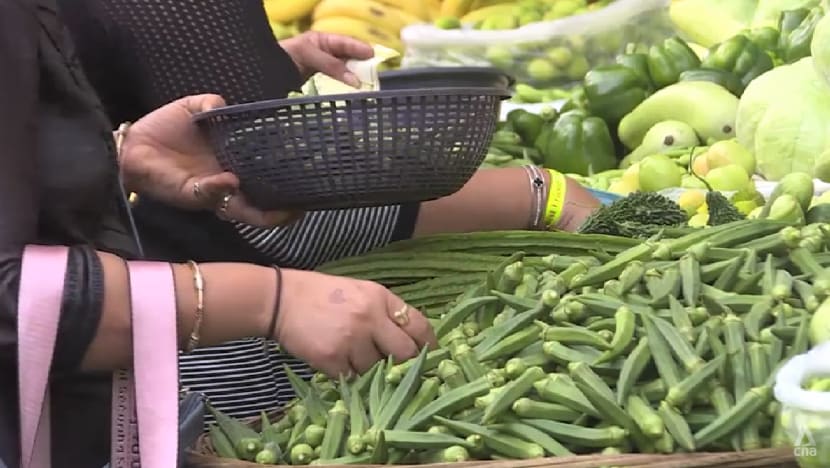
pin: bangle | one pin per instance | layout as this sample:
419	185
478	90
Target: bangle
537	185
199	285
273	325
120	134
556	198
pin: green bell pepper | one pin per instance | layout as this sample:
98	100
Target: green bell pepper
612	91
766	38
578	143
638	63
526	124
794	39
723	78
741	56
668	60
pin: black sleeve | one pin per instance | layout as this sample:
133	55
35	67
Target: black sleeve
19	188
142	54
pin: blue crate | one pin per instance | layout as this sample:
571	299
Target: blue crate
606	198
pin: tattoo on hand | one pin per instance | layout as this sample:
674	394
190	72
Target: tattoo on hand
337	296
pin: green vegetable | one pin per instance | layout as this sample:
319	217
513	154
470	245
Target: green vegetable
668	60
635	212
577	143
783	117
526	124
721	211
794	44
724	78
741	57
820	49
612	91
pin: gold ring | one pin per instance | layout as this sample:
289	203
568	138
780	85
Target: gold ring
197	190
401	316
222	212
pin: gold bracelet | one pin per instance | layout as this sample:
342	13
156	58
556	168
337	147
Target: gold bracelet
199	284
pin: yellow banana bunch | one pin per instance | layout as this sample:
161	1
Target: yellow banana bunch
481	14
284	31
434	9
287	11
359	29
370	11
417	8
455	8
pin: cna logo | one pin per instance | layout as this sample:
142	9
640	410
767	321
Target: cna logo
804	443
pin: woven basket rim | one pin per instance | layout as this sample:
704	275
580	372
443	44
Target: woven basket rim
349	97
202	455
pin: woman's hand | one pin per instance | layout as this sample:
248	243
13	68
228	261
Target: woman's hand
315	52
165	157
343	326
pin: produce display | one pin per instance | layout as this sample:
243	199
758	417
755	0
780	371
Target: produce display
610	345
567	38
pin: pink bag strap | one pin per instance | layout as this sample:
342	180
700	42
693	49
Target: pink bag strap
155	403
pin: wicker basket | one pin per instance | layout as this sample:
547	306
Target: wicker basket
203	456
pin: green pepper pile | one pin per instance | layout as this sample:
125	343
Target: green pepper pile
663	346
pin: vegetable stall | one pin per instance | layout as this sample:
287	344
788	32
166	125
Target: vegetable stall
654	335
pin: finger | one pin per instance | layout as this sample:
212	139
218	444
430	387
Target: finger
346	47
240	210
415	323
212	188
201	102
391	340
364	354
328	64
334	368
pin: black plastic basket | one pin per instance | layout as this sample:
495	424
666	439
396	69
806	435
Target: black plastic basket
355	150
445	77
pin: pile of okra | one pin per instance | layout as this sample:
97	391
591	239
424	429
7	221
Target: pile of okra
576	344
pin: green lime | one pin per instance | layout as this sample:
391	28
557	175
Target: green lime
560	56
499	56
448	22
541	70
578	68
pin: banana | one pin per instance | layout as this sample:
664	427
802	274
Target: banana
455	8
708	108
286	11
361	30
366	10
417	8
433	9
483	13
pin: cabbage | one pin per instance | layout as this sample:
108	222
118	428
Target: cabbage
784	118
820	48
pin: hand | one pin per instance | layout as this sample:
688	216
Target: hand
315	52
343	326
579	205
164	156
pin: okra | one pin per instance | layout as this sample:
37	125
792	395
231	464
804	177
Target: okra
301	454
450	373
512	392
746	407
805	261
600	304
758	364
245	441
677	426
409	440
631	275
603	399
572	336
729	276
632	369
702	344
505	445
519	304
602	324
376	390
624	333
461	311
314	434
359	459
531	434
395	373
220	443
649	421
470	366
529	408
660	351
736	350
587	437
678	395
449	402
681	320
802	338
515	326
560	389
613	268
807	296
427	392
511	344
758	317
335	428
690	279
783	286
392	409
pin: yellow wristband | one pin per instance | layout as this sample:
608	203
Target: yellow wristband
556	197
